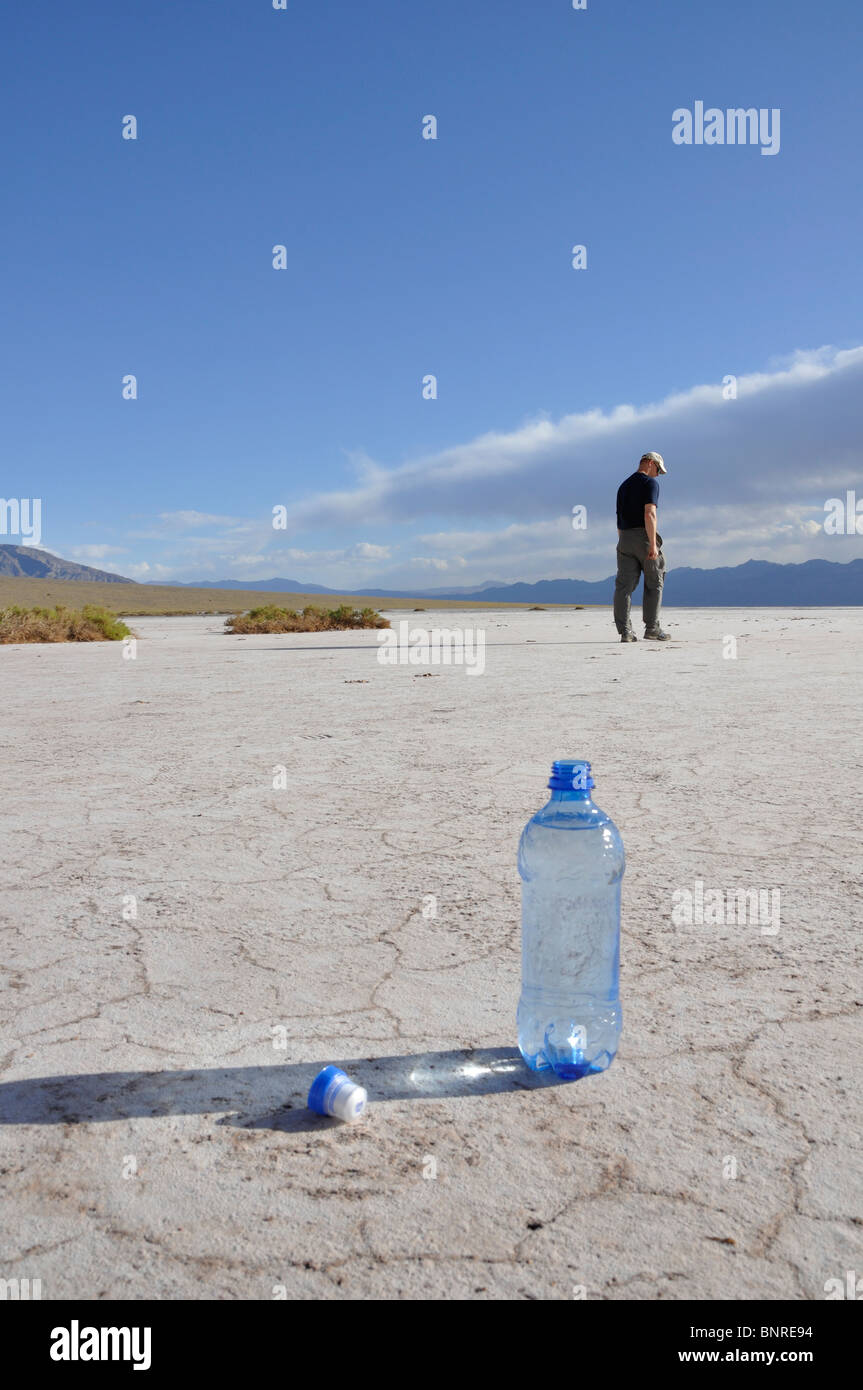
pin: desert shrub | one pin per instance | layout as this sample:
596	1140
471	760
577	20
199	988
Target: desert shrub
88	624
270	618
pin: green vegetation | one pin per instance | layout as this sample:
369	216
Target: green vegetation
270	618
89	624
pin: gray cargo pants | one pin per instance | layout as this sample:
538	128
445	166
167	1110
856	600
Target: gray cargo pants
632	562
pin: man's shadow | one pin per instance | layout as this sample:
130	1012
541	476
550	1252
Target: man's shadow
263	1097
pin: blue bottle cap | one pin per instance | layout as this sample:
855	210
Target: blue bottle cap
333	1093
318	1088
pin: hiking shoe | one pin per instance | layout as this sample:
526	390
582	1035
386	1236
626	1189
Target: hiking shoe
628	636
655	634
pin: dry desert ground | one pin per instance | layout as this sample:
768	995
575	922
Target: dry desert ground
217	881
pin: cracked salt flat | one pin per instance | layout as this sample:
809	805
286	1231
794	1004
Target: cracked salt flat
302	909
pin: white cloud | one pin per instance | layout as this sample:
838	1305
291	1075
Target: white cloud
183	520
95	552
140	569
266	559
697	536
748	478
364	551
432	562
426	562
788	435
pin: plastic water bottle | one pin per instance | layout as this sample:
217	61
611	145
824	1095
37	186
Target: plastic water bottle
571	863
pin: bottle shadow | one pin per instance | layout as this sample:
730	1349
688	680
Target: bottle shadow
263	1097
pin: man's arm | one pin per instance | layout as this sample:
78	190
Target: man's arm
650	528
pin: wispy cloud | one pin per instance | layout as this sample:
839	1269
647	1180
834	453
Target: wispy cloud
363	551
788	434
85	553
183	521
433	562
144	572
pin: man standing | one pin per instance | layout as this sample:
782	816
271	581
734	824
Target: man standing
639	549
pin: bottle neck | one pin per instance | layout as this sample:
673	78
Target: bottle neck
566	805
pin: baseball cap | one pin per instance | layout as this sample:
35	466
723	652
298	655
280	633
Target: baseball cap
655	458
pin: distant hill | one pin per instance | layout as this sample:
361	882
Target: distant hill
25	562
755	584
263	586
296	586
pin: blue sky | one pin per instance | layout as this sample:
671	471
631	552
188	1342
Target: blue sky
406	257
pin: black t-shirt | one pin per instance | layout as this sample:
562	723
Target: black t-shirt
632	497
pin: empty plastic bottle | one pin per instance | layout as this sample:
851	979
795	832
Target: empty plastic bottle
570	859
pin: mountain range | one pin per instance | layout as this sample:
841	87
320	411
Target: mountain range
755	584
